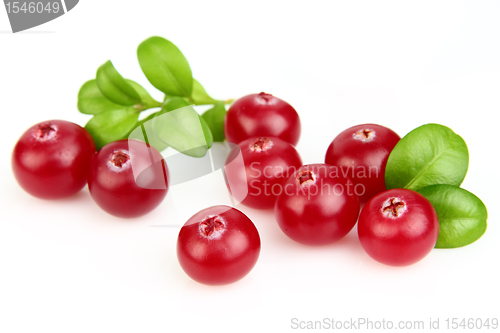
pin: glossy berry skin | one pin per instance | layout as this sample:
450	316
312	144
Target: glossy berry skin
362	152
317	206
124	181
398	227
218	245
267	162
51	160
261	115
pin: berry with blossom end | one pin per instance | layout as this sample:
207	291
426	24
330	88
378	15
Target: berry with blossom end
361	152
398	227
218	245
128	178
51	160
261	115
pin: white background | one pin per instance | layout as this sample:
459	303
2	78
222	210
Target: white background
66	266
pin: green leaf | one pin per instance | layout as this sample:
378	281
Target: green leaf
165	67
462	215
430	154
147	101
146	132
115	87
184	130
200	96
92	101
112	125
207	133
214	118
174	103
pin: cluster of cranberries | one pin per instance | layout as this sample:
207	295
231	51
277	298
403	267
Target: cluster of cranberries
55	159
314	204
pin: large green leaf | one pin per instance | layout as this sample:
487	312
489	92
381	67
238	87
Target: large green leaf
462	215
165	67
112	125
200	96
184	130
115	87
430	154
147	101
92	101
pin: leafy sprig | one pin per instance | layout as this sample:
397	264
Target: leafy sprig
433	160
116	103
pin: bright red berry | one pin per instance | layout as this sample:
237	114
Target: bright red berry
361	152
318	205
261	115
51	160
218	245
128	178
267	162
398	227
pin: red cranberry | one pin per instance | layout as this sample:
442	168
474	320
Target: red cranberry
128	178
318	205
218	245
361	152
51	160
267	162
261	115
398	227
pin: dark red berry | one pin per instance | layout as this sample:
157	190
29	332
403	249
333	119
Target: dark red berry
218	245
398	227
361	152
318	205
261	115
51	160
128	178
267	162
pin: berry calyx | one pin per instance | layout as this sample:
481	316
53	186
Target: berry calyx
364	135
266	98
305	178
212	226
261	144
45	131
119	158
393	207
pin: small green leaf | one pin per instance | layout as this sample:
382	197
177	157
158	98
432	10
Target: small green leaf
146	132
214	118
200	96
174	103
430	154
147	101
115	87
165	67
184	130
462	215
112	125
92	101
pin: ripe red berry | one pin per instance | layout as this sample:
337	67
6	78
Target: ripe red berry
128	178
398	227
267	162
261	115
218	245
318	205
361	152
51	160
